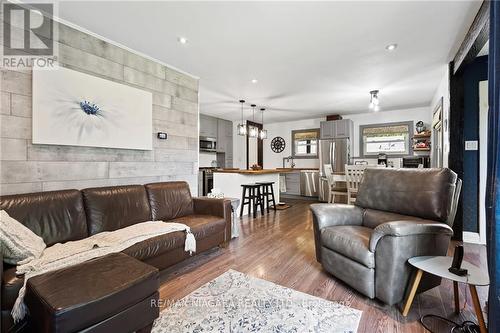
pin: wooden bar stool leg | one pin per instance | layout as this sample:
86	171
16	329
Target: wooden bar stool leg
256	202
243	201
272	197
477	307
456	296
252	201
265	197
262	204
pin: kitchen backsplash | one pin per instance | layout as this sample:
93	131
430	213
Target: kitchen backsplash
206	159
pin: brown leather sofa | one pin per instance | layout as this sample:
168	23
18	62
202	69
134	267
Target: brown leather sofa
68	215
398	214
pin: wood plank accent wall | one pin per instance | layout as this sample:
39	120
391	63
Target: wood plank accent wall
30	168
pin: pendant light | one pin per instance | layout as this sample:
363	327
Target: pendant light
262	132
253	131
242	127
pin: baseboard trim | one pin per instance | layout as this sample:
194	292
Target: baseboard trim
471	237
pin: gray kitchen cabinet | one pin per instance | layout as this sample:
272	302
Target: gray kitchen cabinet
221	136
225	137
327	130
336	129
292	180
208	126
343	128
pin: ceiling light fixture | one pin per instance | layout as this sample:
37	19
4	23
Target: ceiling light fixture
262	132
253	131
391	47
374	101
182	40
254	81
242	127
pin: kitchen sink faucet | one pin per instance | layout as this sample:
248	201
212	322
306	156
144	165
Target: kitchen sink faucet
287	159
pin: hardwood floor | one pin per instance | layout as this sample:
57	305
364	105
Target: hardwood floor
279	247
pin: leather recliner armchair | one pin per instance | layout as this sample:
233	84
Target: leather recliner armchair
398	214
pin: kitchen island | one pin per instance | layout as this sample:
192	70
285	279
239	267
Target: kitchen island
229	182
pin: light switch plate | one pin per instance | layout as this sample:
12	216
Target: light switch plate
471	145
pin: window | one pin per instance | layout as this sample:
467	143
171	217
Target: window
305	143
392	139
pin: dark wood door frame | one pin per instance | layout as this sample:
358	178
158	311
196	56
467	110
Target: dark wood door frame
260	145
474	41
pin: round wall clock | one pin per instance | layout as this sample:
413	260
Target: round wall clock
278	144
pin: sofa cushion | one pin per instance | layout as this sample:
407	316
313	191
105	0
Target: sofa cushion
372	218
202	226
11	284
425	193
169	200
116	207
351	242
77	297
56	216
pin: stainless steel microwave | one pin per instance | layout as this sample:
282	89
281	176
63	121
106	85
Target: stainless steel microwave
208	144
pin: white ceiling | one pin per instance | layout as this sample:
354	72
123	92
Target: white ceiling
310	58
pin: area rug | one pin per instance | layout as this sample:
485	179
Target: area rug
235	302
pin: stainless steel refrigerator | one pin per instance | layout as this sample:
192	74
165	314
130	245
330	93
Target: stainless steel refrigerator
335	152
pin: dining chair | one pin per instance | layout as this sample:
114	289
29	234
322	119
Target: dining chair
353	175
333	188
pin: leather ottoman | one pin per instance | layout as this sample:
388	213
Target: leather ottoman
114	293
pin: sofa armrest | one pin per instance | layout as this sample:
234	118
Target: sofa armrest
328	215
408	228
215	207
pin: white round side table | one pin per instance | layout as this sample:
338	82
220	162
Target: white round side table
438	265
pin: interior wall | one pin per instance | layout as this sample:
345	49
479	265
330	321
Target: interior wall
26	167
284	129
443	90
473	73
414	114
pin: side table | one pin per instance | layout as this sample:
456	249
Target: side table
438	265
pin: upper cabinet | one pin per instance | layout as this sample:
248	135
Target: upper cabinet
344	128
224	136
222	131
336	129
327	130
208	126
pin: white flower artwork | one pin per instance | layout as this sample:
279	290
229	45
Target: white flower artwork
77	109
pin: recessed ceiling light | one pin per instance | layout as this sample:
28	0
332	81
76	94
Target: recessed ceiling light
254	81
182	40
391	47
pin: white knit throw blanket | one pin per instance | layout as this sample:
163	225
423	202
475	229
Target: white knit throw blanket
68	254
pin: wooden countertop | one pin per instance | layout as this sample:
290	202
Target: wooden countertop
264	171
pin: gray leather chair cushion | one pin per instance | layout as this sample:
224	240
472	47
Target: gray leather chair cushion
350	241
424	193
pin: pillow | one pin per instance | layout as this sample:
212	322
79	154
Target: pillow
20	245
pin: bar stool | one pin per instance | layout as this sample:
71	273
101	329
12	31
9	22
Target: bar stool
254	198
267	194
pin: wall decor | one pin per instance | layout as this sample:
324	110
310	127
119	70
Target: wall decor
278	144
77	109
